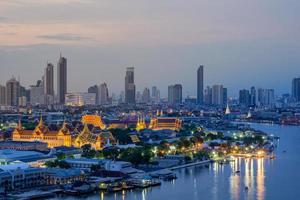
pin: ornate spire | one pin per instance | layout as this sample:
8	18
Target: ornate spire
20	124
41	122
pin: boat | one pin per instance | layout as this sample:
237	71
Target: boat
114	188
126	186
140	183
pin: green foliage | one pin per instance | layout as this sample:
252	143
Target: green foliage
122	135
61	156
57	163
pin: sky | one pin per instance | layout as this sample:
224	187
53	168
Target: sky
241	43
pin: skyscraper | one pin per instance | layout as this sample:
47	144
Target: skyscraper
49	84
208	95
146	96
95	90
2	95
244	97
266	97
61	79
296	89
200	85
37	94
12	92
129	86
175	94
252	96
217	95
103	93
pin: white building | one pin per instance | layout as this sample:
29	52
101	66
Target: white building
80	99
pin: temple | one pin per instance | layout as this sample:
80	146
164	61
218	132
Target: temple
95	120
141	124
77	137
165	123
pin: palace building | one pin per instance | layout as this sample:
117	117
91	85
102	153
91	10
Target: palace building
77	137
43	134
165	123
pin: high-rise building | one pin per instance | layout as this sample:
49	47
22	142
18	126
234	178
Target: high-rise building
244	97
266	97
103	93
217	95
208	95
175	94
155	95
129	86
252	96
12	92
37	94
200	85
95	90
61	79
296	89
224	96
146	96
2	95
49	84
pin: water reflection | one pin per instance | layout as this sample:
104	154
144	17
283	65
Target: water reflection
247	179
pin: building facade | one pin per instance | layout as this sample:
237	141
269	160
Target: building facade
200	84
80	99
12	92
175	94
296	89
129	86
61	80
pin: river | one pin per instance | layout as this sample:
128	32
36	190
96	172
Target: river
266	179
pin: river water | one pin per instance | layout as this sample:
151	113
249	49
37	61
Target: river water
266	179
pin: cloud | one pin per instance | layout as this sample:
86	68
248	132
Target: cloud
64	37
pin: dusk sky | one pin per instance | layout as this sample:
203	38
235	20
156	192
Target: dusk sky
240	42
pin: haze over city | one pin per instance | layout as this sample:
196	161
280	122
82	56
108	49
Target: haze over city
240	43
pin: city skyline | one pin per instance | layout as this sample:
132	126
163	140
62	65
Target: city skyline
154	38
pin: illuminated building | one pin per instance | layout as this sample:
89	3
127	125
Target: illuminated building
43	134
165	123
95	120
141	124
63	137
80	99
87	137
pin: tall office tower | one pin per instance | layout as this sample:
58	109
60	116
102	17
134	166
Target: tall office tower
12	92
208	95
252	96
129	86
103	93
296	89
155	95
61	79
217	95
200	85
2	95
146	96
266	97
244	97
224	96
175	94
95	90
49	84
37	94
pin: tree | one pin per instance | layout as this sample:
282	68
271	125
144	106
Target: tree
61	155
